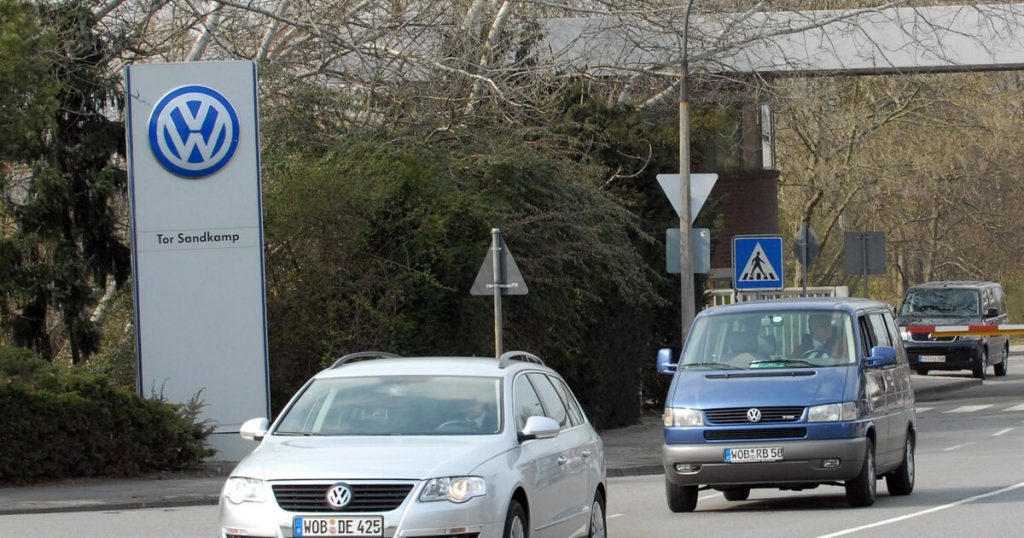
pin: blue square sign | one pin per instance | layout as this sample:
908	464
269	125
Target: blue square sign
757	262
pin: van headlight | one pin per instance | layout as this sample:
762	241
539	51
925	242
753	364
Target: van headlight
905	334
836	412
678	417
240	489
457	489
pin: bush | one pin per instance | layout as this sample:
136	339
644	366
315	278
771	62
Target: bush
59	426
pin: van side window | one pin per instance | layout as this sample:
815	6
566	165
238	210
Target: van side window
880	331
867	338
897	342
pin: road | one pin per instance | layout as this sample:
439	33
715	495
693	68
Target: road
969	483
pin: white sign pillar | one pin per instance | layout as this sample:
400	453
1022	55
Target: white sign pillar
197	241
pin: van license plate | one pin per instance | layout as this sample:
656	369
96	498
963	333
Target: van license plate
932	358
753	455
338	526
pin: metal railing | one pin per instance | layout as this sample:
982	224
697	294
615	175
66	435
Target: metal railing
729	296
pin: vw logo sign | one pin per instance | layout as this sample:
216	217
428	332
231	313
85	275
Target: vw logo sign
754	414
338	496
193	131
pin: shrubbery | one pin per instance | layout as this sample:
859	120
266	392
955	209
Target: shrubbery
58	425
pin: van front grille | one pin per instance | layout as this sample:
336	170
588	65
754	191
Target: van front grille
754	434
738	415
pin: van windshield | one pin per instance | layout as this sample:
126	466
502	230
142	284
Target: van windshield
788	339
947	302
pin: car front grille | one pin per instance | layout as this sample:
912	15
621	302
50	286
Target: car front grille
365	497
738	415
754	434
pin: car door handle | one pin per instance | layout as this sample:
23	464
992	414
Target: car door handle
586	453
562	460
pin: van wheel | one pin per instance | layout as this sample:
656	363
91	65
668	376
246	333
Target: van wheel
901	481
680	498
515	522
980	370
861	491
736	494
1000	369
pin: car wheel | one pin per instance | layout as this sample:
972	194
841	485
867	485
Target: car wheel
1000	369
736	494
901	481
861	491
597	518
981	370
515	522
680	498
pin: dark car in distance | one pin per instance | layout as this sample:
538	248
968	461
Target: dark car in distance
955	302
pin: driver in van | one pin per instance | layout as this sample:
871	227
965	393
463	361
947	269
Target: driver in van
822	342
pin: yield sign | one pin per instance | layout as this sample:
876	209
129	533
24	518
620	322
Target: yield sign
509	280
700	188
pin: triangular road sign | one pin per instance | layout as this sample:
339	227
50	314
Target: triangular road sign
510	279
700	189
758	268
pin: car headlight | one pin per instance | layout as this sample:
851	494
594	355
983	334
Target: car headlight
457	489
832	412
240	489
675	417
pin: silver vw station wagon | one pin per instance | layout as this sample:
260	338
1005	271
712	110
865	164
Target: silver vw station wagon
384	446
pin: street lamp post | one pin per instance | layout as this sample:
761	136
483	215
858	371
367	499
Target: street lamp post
685	258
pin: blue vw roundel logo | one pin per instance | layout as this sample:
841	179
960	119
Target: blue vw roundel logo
193	131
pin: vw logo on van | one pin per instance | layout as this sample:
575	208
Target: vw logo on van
338	496
754	414
193	131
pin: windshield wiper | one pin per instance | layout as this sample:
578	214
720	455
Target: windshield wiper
787	362
299	434
712	364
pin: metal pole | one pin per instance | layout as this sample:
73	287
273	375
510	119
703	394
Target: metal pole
499	282
864	261
806	230
685	259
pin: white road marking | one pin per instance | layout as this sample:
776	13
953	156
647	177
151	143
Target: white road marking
1018	407
712	496
1000	432
969	408
613	516
923	409
923	512
957	446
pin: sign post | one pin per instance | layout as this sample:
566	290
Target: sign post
498	275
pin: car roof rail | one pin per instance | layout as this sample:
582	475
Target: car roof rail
364	355
507	357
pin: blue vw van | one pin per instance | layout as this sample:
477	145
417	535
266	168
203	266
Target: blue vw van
789	394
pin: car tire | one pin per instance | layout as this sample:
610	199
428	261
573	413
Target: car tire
1004	365
981	369
598	529
862	490
736	494
516	524
680	498
901	481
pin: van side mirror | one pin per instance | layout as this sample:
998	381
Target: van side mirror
991	312
882	356
665	364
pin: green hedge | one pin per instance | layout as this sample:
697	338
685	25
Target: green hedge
60	426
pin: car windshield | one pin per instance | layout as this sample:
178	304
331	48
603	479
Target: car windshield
784	339
949	303
396	405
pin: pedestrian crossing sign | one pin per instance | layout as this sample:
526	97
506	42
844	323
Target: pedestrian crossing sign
757	262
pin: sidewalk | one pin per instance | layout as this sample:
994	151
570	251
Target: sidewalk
629	451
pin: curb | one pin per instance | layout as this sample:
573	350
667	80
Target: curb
112	506
636	470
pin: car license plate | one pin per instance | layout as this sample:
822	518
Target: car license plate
338	526
753	455
932	358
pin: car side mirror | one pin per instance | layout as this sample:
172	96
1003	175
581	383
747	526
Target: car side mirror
665	364
254	429
539	428
991	313
882	356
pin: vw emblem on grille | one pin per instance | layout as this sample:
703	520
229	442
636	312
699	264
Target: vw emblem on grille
754	414
193	131
338	496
